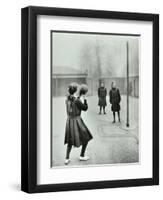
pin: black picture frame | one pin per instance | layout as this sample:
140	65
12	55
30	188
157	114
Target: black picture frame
29	98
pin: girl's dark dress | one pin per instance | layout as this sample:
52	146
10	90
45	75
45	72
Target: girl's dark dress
76	132
115	99
102	92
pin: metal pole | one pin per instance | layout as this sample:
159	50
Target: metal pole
127	123
56	86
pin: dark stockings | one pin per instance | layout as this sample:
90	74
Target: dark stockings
119	116
103	109
84	146
69	147
114	116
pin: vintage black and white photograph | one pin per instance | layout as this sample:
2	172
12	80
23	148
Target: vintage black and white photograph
94	99
90	99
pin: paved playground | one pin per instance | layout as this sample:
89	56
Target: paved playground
111	143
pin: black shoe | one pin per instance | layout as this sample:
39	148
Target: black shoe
113	122
104	113
99	113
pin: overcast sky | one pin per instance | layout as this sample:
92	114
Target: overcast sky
79	51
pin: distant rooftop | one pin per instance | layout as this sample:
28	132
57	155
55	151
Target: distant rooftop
63	71
66	70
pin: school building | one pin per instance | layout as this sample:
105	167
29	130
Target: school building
63	76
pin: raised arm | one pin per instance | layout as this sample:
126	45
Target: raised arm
82	106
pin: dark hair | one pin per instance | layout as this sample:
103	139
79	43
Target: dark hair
72	88
83	89
113	82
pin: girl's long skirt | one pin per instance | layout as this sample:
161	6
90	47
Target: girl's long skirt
76	132
115	107
102	101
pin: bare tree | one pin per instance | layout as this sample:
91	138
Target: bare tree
86	58
97	64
